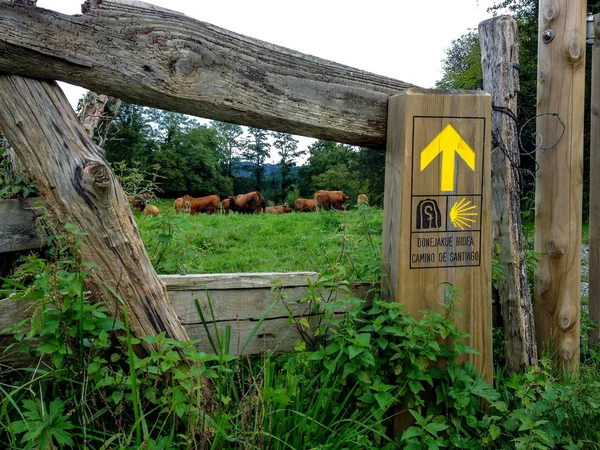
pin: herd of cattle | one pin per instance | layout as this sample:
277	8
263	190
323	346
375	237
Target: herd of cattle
250	203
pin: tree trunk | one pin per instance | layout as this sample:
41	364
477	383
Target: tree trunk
499	54
79	188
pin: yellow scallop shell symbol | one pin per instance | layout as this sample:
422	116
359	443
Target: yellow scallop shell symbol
462	214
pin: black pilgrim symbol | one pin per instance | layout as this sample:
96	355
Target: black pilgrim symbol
428	215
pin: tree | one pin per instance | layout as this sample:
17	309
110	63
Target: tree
256	150
462	65
371	168
339	178
287	148
229	144
323	156
130	136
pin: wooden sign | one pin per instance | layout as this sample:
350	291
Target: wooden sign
436	241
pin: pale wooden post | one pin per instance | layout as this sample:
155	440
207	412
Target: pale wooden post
594	254
499	56
78	187
436	232
558	194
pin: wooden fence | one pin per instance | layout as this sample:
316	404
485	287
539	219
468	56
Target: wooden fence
239	301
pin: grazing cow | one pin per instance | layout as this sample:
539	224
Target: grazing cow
150	210
138	203
362	198
329	199
250	203
179	205
285	208
304	205
141	204
209	204
226	206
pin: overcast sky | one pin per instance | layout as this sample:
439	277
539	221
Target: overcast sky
402	39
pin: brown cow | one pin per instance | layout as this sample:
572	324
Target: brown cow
209	204
150	210
179	205
304	205
250	203
362	198
226	206
329	199
285	208
137	202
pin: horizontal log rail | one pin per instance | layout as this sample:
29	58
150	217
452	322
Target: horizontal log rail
238	300
152	56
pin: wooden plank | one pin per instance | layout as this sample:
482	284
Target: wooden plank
559	179
160	58
430	243
239	305
236	280
594	251
500	57
18	230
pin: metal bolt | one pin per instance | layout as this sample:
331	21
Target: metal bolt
548	36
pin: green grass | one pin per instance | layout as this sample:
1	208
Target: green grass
585	233
264	242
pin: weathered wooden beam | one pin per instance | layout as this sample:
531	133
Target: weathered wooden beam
155	57
594	254
559	179
79	188
499	57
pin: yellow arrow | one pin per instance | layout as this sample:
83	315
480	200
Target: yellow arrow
448	142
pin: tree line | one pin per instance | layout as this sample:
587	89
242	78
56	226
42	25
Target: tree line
188	157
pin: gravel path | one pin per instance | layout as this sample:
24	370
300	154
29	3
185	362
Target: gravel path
585	286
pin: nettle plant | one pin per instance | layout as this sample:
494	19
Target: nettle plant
86	384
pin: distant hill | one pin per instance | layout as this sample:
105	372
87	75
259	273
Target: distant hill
244	169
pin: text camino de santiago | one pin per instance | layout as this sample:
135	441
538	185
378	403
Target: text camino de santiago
444	243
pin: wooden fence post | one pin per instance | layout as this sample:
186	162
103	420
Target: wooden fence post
594	253
499	55
79	188
558	193
436	232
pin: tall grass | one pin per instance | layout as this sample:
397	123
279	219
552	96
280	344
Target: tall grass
265	242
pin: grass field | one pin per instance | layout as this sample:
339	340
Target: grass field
265	242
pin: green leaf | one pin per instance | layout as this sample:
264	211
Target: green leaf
411	433
330	366
415	386
494	432
353	351
384	399
435	428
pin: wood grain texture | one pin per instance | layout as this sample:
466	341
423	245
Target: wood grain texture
500	57
559	179
79	188
594	250
238	302
415	119
155	57
18	230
